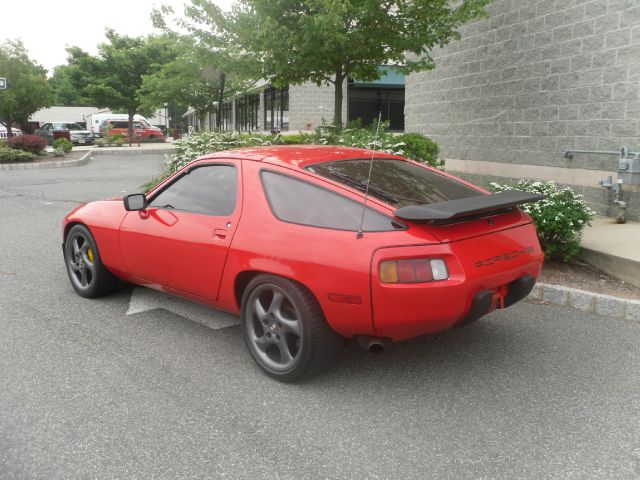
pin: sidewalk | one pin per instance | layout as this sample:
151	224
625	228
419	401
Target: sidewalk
613	248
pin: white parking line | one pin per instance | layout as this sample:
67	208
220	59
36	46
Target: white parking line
146	299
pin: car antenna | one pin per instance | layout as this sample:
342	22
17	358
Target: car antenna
360	234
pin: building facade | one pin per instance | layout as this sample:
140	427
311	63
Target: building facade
304	107
531	81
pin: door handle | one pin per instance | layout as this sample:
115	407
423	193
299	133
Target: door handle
220	233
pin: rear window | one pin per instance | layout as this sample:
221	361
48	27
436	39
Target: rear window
296	201
395	182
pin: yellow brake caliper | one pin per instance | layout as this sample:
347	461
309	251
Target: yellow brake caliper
90	254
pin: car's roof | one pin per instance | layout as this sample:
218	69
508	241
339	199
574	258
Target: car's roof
299	155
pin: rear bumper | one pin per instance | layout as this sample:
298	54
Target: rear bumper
485	273
483	302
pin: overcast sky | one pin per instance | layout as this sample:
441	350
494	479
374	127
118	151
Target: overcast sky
47	27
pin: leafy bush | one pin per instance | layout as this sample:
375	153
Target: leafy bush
12	155
560	217
62	143
411	145
101	142
27	143
295	139
59	151
119	140
421	149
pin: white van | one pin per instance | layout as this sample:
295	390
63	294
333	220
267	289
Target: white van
95	121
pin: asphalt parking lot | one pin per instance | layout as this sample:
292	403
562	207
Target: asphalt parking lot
88	391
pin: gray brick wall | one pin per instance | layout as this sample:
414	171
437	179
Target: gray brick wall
533	79
309	104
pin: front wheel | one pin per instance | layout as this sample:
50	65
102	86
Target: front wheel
284	328
88	276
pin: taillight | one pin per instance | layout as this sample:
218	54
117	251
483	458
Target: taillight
416	270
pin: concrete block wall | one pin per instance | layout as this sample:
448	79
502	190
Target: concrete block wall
309	104
532	80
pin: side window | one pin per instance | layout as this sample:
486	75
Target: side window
296	201
137	125
211	189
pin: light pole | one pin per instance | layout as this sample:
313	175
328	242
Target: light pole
166	116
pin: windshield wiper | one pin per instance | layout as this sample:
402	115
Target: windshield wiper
362	186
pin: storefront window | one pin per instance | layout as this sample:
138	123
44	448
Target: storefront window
247	108
276	109
226	122
365	103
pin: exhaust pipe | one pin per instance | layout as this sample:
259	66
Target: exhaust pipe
372	344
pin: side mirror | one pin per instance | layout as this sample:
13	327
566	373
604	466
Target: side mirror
134	202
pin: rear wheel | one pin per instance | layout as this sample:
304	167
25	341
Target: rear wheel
87	274
284	328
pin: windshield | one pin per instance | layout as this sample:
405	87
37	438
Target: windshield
395	182
68	126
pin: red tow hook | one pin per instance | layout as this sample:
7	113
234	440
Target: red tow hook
499	294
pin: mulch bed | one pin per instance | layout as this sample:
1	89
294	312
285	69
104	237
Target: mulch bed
584	277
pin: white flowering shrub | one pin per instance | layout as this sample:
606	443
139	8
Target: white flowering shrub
560	217
196	145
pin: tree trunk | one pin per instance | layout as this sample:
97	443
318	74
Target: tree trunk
220	99
337	103
8	127
130	129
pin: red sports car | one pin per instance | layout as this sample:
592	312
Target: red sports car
313	245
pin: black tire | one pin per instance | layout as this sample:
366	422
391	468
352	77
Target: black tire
290	340
88	276
152	138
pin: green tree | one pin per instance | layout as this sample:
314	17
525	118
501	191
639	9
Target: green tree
27	89
328	41
190	82
201	73
113	78
62	89
182	80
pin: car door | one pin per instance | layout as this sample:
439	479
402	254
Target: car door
46	132
181	240
138	130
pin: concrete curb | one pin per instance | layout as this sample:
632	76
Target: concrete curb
55	164
130	151
85	159
588	302
624	268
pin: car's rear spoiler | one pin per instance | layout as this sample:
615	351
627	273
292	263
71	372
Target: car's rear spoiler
466	207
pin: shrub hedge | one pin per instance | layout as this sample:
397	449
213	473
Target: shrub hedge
13	155
63	143
27	143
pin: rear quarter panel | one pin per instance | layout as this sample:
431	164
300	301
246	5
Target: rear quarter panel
324	260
